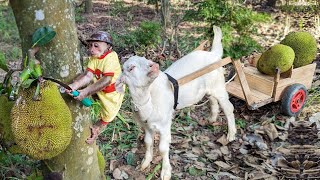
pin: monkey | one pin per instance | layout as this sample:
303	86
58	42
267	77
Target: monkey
103	68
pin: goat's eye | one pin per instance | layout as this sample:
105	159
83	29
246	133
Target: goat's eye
131	68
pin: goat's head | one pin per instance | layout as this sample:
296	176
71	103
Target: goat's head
138	72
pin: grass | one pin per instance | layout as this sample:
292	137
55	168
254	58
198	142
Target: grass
9	39
241	123
79	18
8	28
16	166
313	97
118	7
121	133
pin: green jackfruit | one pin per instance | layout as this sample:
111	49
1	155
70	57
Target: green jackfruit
41	128
304	46
5	121
278	56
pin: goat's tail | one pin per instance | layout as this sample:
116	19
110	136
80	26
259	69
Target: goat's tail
217	48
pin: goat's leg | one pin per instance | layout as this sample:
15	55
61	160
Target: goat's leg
165	140
228	108
214	109
148	141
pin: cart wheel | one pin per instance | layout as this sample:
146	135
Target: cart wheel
294	99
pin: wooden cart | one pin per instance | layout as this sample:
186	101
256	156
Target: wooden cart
258	89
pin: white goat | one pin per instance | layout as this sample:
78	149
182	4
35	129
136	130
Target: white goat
153	96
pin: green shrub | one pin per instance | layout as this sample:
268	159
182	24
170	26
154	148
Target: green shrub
148	33
237	23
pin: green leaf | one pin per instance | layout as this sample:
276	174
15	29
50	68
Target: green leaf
3	62
25	74
27	83
157	168
196	172
42	36
130	159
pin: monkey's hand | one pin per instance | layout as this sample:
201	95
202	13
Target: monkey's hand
82	94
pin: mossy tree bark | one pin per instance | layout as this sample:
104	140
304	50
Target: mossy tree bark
60	59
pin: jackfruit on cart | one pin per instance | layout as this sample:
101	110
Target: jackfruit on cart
278	56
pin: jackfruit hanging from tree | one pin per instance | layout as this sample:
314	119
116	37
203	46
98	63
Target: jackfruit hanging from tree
304	46
41	128
278	56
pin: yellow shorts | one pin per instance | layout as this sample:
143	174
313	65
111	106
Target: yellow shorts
111	103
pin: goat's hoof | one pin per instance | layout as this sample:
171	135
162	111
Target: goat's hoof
144	164
166	173
166	178
231	137
212	120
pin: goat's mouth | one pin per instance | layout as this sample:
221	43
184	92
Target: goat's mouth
154	70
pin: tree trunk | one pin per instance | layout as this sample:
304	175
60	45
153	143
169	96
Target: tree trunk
60	59
165	13
88	6
271	3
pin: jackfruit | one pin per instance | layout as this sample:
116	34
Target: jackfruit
41	128
5	122
304	46
278	56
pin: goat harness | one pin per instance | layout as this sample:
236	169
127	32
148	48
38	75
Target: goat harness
175	89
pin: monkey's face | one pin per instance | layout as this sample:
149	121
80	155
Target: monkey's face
97	48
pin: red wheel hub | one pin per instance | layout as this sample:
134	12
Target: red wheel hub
297	101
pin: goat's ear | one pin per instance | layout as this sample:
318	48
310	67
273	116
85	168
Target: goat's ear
120	84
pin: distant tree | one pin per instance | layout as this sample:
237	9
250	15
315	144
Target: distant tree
165	13
88	6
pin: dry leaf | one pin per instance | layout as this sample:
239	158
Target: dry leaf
224	175
214	154
190	156
224	150
222	164
117	173
271	131
243	151
196	150
261	175
223	140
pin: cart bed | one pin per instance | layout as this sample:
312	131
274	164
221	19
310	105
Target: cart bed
234	88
